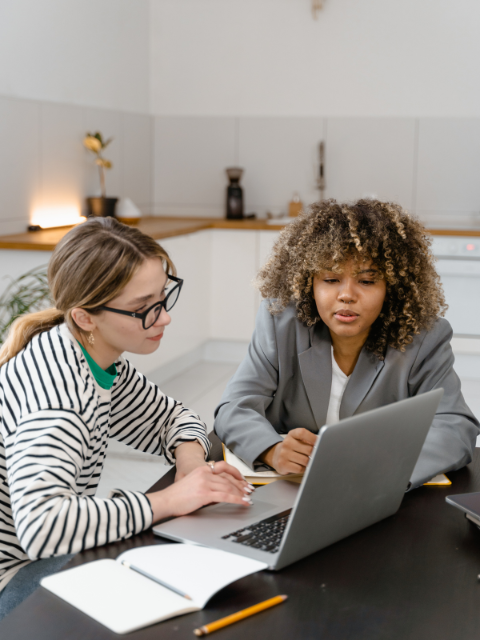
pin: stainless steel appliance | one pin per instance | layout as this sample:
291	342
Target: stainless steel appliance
459	269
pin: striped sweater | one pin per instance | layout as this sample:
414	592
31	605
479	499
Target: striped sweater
54	430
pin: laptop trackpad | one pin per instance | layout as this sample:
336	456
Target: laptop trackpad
224	510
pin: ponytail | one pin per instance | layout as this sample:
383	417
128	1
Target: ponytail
25	328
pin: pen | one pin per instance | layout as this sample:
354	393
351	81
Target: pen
157	580
235	617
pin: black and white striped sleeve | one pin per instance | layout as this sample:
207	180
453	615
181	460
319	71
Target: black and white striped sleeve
48	457
146	419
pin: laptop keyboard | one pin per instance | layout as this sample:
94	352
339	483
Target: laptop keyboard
265	535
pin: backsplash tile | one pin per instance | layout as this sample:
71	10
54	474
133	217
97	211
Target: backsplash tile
280	156
370	157
190	157
137	143
62	155
448	184
19	162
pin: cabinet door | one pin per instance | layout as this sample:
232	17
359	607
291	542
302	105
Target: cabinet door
265	242
233	306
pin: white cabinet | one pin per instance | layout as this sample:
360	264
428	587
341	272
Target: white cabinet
233	296
14	263
266	240
236	258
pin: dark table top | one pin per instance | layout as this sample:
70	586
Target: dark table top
412	576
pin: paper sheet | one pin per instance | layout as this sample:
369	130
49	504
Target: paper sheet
441	479
198	571
115	596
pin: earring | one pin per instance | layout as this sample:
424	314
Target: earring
91	338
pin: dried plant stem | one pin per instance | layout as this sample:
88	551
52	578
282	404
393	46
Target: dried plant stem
102	180
317	5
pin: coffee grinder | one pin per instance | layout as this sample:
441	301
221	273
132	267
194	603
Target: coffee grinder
234	194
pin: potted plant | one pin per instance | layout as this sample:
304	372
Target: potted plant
101	206
26	294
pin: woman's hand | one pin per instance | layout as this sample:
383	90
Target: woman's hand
291	455
201	486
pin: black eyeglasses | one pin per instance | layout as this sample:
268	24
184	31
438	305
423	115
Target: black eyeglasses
151	315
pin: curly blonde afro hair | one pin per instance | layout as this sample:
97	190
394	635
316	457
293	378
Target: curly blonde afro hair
328	235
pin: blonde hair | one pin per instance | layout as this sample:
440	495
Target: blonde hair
89	267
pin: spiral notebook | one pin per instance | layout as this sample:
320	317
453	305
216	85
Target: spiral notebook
123	600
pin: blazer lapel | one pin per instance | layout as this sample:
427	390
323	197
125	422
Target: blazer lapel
364	375
316	368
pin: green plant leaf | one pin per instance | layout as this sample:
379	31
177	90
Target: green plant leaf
28	293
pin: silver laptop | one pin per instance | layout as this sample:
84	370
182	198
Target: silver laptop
358	475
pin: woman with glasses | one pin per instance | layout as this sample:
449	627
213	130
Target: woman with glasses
65	389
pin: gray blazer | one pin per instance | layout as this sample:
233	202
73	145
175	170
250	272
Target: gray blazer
284	382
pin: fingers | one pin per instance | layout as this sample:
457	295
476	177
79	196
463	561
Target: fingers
298	446
224	488
297	458
240	484
224	467
223	496
292	467
224	482
304	435
293	455
234	476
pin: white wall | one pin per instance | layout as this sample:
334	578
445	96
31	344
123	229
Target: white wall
391	86
428	165
43	163
360	58
68	67
82	52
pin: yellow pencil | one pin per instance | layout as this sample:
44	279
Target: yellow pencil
235	617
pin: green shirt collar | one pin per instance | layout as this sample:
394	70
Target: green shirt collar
104	378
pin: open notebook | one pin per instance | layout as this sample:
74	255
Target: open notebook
123	600
265	474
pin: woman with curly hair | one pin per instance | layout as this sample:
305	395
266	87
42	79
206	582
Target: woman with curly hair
351	322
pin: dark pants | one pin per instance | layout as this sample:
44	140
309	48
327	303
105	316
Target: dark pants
25	581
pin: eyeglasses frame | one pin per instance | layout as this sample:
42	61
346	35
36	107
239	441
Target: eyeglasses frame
162	303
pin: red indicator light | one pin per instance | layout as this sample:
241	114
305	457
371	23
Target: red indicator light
470	247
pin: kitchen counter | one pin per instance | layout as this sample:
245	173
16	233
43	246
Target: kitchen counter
161	227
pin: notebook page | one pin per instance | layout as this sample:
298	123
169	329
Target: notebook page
198	571
115	596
